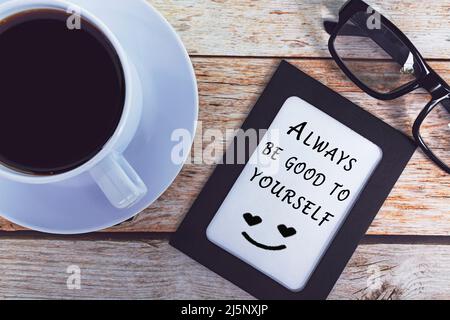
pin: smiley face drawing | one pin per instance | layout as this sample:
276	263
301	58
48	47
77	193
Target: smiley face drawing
253	220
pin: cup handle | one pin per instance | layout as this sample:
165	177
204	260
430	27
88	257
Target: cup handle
119	181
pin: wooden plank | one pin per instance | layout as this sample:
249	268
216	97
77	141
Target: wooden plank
152	269
292	28
228	89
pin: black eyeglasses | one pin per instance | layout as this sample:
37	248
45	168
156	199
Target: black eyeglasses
391	67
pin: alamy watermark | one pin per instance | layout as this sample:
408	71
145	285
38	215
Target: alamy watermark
73	22
374	19
74	279
374	281
215	146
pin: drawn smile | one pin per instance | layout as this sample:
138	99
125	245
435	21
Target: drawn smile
253	220
262	246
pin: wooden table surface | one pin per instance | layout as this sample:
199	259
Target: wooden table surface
235	46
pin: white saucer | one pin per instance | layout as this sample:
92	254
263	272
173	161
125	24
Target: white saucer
170	102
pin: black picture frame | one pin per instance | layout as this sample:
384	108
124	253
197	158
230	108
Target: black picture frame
426	77
397	148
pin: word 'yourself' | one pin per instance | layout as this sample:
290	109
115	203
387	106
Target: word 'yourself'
291	197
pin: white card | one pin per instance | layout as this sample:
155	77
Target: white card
294	193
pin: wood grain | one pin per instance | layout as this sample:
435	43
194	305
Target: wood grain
153	270
228	88
232	43
292	28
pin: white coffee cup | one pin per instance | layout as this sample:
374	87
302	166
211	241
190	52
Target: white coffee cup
117	179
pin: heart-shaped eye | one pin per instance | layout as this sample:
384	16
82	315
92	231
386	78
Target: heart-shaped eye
252	220
285	231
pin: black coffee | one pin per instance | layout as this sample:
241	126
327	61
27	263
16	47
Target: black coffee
62	92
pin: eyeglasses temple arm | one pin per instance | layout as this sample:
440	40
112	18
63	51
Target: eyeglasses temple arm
446	104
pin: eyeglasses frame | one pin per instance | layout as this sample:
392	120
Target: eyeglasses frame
426	77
